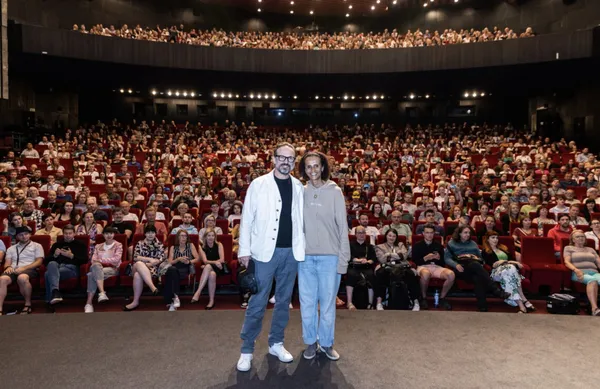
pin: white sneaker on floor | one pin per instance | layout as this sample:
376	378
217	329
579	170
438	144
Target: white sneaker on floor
379	307
176	302
89	308
172	307
416	307
272	300
280	352
245	362
102	297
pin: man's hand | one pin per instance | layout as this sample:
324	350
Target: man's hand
460	268
244	260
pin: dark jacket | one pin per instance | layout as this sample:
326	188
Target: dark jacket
421	249
80	254
491	258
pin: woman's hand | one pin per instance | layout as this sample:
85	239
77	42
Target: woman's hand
579	274
219	265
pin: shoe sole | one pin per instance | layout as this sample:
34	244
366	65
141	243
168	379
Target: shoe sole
56	301
102	301
244	370
330	357
280	360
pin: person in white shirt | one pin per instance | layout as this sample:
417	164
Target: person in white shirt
129	216
51	184
272	237
30	152
372	232
21	263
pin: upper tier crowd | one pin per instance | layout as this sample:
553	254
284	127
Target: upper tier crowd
153	180
306	41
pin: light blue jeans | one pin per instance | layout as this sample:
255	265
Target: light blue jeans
318	284
283	267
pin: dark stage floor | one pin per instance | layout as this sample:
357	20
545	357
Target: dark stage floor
391	349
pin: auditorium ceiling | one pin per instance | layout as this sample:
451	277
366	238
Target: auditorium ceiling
347	8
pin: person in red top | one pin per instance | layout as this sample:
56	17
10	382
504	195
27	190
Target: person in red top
562	230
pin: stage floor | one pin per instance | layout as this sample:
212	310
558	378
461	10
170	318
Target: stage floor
390	349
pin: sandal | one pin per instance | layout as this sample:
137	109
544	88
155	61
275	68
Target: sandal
26	310
529	306
351	307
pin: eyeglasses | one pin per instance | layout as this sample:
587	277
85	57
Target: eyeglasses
283	158
595	223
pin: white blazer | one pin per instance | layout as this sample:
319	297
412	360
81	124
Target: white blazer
260	219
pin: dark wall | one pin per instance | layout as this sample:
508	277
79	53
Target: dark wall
543	15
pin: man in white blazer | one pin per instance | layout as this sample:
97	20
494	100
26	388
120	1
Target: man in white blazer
272	236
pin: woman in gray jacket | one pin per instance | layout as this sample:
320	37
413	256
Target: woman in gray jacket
327	255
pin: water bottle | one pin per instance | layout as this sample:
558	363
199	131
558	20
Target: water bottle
436	298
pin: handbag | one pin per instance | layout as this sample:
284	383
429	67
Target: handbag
562	304
129	270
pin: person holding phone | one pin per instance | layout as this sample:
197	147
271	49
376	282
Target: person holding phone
62	263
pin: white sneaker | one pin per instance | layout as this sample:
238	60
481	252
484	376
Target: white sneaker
272	300
172	307
89	308
102	297
416	307
280	352
379	307
176	302
291	306
245	362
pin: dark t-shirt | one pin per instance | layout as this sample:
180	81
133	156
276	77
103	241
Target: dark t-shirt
421	249
122	227
284	235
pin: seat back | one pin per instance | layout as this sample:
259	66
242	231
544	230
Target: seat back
44	240
537	250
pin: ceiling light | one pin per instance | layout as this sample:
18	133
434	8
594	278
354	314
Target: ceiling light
426	96
295	97
382	97
184	94
237	96
372	7
292	11
129	91
317	97
456	1
273	96
259	96
374	97
378	1
412	96
122	90
474	94
330	97
229	96
192	94
394	2
368	97
259	10
291	3
311	12
347	15
482	94
222	95
431	1
153	93
260	1
466	94
177	93
169	93
251	95
350	7
345	97
353	97
425	5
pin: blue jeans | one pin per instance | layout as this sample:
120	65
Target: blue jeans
283	267
318	283
56	272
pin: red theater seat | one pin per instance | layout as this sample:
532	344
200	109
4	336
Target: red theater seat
538	254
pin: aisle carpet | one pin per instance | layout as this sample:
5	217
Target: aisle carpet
391	349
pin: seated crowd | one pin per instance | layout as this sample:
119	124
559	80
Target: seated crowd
157	200
306	41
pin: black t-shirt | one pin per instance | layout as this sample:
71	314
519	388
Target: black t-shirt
284	235
122	227
421	249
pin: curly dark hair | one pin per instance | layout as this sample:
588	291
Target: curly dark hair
324	164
